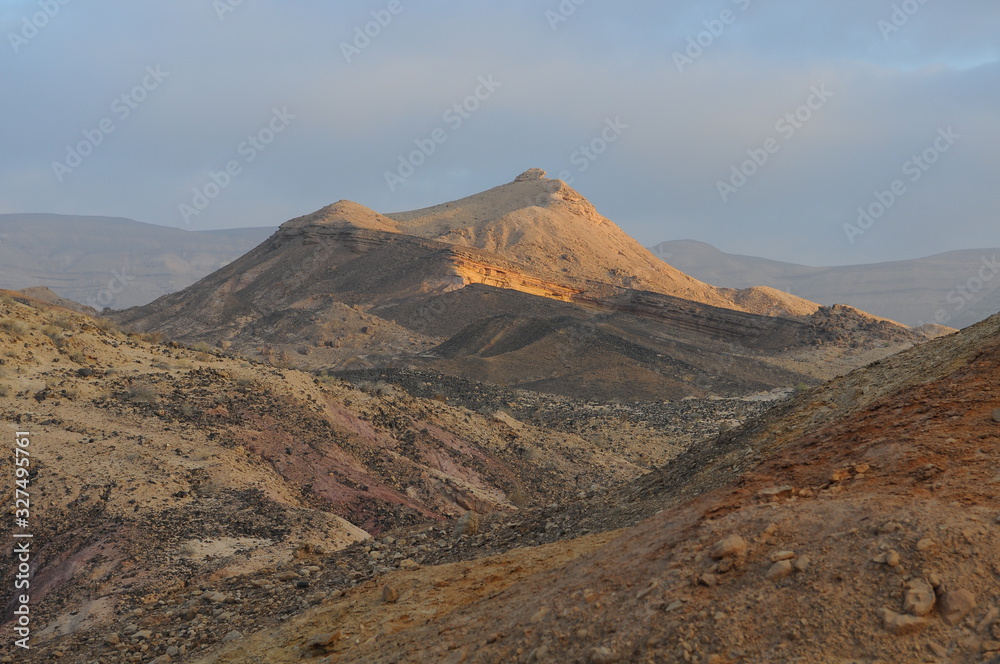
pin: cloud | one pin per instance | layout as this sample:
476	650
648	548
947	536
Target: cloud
686	130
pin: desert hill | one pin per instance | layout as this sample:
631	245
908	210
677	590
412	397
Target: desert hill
913	292
158	468
112	262
858	522
523	276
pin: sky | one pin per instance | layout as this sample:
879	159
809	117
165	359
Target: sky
811	132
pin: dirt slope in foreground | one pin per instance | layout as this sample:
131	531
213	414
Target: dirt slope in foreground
859	523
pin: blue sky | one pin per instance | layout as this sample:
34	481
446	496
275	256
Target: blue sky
203	114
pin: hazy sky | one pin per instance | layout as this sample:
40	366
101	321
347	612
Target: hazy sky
758	126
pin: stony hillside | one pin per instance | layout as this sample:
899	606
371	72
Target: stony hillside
156	468
859	522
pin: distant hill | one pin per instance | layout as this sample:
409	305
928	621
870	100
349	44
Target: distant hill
109	261
957	288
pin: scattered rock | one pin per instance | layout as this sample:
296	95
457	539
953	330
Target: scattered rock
956	604
988	620
996	414
709	580
467	525
233	635
409	564
840	475
729	547
776	492
890	558
389	594
899	624
780	570
322	642
782	555
286	576
919	598
801	563
142	635
925	544
162	659
603	656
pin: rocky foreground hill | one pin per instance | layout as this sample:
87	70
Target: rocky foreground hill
157	468
857	522
525	285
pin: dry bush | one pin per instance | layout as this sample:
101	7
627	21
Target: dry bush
141	392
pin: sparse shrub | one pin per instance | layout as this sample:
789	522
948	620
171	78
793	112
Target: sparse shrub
202	347
13	326
71	393
141	392
152	337
161	365
64	322
51	382
188	410
184	363
110	371
106	325
78	357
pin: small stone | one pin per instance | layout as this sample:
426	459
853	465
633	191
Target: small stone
467	525
389	594
988	620
603	656
996	414
919	598
162	659
143	635
729	547
776	492
937	649
233	635
112	639
956	604
899	624
861	468
801	563
925	544
840	475
323	641
539	654
709	580
890	558
409	564
991	646
286	576
782	555
780	570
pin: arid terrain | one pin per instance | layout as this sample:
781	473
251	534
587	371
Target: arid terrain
425	437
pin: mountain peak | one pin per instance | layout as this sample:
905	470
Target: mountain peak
531	175
344	213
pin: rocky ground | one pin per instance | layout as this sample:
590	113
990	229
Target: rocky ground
160	469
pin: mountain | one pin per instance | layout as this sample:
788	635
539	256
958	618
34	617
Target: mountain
525	285
112	262
957	288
